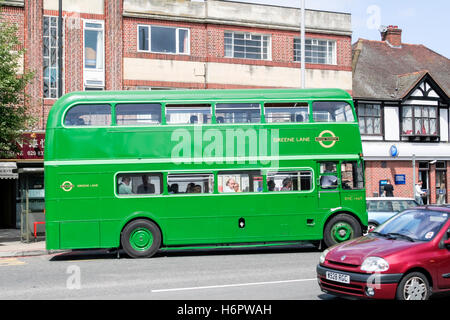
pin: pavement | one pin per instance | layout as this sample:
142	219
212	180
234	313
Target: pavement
12	246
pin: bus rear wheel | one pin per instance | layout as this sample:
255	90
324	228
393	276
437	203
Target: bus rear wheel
140	238
340	228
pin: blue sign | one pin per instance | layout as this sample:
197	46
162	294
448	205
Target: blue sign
400	179
393	151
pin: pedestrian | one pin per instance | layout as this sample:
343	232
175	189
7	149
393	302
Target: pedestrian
418	193
389	189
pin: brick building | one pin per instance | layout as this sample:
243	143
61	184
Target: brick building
401	94
161	44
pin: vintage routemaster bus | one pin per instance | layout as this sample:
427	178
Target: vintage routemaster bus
152	170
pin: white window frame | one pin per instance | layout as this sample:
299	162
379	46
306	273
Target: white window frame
177	39
247	36
315	42
93	77
57	56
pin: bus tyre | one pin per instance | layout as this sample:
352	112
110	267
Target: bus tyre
140	238
340	228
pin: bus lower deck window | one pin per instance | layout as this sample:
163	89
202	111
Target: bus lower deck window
190	183
139	184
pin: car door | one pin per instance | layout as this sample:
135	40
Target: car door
443	268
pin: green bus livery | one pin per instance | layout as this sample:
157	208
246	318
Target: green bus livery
151	170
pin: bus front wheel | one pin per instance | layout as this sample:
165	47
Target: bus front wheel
340	228
140	238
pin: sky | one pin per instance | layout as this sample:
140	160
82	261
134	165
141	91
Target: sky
422	22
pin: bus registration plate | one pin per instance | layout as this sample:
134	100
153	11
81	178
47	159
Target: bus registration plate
339	277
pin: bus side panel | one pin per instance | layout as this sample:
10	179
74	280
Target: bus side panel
52	235
80	234
78	208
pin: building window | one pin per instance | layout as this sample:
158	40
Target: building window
50	55
419	121
316	51
160	39
93	45
369	118
247	46
94	54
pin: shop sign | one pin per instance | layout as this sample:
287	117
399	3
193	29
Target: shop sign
32	146
400	179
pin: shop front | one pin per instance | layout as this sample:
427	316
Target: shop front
22	188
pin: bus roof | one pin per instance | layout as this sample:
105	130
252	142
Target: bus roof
201	94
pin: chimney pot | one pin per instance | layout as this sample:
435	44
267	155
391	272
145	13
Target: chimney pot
392	35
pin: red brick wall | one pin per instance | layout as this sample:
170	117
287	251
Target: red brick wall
207	44
113	45
374	173
33	57
14	15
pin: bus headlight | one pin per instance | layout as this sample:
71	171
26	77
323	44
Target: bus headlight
323	256
374	264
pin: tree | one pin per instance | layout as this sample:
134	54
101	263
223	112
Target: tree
14	117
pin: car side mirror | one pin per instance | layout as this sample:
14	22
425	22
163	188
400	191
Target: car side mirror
447	243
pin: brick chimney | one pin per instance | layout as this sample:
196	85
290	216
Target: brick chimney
392	35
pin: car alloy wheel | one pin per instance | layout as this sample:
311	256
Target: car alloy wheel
414	286
415	289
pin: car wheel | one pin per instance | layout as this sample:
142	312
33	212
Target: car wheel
140	238
414	286
340	228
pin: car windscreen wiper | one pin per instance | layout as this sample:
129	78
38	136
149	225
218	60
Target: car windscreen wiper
384	235
401	235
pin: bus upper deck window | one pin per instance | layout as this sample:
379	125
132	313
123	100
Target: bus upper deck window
332	111
188	114
138	114
286	112
88	115
238	113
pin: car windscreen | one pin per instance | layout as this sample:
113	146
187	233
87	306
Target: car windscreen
421	225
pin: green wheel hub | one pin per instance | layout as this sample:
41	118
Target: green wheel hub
342	231
141	239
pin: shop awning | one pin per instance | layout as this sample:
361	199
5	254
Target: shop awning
6	170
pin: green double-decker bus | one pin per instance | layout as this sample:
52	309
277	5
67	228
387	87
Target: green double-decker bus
151	170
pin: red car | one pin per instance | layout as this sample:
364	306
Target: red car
406	258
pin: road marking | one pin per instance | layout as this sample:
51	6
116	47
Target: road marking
233	285
11	262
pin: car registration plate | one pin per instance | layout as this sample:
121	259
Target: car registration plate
338	277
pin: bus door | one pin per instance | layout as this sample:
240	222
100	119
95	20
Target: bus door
352	185
328	185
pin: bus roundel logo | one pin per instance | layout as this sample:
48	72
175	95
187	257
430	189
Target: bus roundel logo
327	139
67	186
